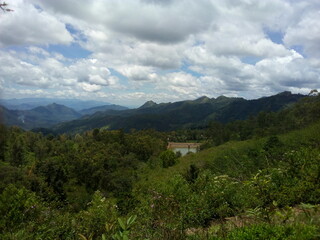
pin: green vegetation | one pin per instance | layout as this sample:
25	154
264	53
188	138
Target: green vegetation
180	115
255	179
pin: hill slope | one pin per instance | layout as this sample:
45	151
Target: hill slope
30	103
89	111
43	116
171	116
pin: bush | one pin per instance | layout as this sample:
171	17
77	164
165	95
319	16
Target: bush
168	158
275	232
17	206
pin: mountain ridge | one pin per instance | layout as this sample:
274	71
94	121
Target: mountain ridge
42	116
162	117
172	116
30	103
89	111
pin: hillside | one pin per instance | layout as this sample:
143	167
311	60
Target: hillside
43	116
90	111
100	183
172	116
239	190
9	117
30	103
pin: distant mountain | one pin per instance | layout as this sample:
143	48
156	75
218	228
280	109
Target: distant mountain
103	108
148	105
171	116
30	103
9	117
241	110
43	116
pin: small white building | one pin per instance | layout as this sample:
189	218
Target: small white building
184	148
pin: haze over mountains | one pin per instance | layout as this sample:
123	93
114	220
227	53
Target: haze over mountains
30	103
163	117
35	113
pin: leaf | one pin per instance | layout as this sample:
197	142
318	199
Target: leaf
125	237
109	227
121	224
116	236
82	236
131	220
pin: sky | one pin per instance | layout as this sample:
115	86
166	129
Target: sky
130	51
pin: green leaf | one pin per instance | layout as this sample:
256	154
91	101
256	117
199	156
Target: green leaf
122	225
82	236
109	227
131	220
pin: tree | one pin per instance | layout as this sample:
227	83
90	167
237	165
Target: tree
313	92
168	158
4	7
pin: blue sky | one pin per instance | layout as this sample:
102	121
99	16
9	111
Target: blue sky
129	52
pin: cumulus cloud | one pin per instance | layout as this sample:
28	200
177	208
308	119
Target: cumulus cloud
291	71
18	71
29	25
90	87
168	49
138	73
306	33
39	68
163	23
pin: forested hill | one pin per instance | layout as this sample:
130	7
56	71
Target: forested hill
177	115
104	184
48	115
42	116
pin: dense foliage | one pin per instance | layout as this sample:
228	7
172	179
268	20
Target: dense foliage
114	185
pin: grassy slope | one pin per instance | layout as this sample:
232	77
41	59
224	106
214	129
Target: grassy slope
297	221
232	158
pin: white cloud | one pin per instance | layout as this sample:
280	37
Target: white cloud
306	33
39	68
90	87
292	71
28	25
164	23
170	49
137	73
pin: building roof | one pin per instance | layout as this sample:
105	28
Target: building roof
172	145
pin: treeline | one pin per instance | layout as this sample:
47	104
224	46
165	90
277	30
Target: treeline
297	116
59	168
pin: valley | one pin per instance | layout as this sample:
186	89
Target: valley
253	177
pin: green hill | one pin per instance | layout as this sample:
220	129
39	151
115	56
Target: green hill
43	116
269	186
263	182
177	115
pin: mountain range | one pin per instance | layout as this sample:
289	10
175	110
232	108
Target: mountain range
162	117
30	103
183	114
49	115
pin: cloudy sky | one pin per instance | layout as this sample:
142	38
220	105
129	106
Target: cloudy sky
130	51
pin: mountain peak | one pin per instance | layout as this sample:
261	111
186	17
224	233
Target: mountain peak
285	93
148	104
203	99
222	97
55	105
